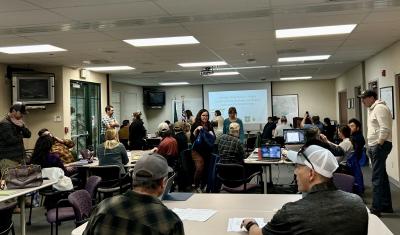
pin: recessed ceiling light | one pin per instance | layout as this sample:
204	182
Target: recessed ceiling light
165	41
295	78
173	83
315	31
110	68
304	58
201	64
224	73
30	49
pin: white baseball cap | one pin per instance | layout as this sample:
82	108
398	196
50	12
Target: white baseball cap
321	159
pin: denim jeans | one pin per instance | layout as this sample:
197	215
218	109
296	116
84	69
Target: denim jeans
381	198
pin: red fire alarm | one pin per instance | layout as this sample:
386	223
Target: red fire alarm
384	73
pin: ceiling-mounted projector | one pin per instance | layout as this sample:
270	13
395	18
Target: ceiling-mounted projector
206	71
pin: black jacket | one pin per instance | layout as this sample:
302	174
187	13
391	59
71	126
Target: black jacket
11	140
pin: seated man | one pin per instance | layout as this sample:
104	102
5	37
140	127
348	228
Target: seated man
229	147
61	146
138	211
324	209
168	146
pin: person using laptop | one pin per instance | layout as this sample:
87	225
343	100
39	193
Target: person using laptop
341	212
139	211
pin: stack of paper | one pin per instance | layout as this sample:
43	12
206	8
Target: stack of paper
194	214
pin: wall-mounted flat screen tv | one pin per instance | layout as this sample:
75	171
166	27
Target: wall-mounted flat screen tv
33	88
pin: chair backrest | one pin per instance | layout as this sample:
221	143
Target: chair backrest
110	175
343	182
6	212
81	201
251	143
231	174
168	185
92	184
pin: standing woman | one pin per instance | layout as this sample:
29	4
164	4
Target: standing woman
123	133
112	152
137	132
200	157
233	118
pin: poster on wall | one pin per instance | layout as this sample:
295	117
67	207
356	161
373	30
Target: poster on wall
180	105
386	94
285	105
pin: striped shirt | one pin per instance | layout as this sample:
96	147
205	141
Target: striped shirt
133	213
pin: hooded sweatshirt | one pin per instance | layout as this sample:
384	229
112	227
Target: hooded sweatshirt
379	123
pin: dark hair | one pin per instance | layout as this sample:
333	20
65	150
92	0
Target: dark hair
232	110
356	122
42	149
308	120
125	123
327	121
345	130
218	112
168	122
198	116
188	113
311	134
315	119
41	131
108	107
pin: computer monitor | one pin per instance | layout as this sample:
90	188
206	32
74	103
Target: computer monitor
293	136
269	151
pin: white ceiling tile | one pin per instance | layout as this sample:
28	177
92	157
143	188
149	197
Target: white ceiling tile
76	3
16	5
33	17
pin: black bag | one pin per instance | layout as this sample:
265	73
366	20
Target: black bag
204	142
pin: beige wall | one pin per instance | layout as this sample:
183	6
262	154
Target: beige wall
317	97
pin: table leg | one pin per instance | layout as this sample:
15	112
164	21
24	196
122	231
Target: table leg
264	169
21	200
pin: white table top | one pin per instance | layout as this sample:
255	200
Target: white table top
13	193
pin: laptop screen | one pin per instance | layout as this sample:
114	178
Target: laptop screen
270	151
293	136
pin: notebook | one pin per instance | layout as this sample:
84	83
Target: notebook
269	152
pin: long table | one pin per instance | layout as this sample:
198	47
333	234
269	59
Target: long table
20	194
240	205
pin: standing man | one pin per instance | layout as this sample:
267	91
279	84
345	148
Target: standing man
379	138
12	132
108	121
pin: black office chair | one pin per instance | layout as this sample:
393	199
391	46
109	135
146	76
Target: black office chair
185	171
250	143
6	224
233	178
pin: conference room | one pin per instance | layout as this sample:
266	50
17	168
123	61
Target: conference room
264	57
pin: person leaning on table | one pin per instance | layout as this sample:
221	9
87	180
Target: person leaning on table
325	209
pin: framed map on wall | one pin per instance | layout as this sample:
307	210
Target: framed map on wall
285	105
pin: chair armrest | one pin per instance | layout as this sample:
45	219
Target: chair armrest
62	203
253	175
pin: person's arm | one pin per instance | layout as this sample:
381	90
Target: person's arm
7	134
226	126
251	226
241	131
384	118
26	133
124	154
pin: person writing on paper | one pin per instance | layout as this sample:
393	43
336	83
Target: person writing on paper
324	209
138	211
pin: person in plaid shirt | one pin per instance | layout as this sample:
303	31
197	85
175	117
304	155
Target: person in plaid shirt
138	211
108	121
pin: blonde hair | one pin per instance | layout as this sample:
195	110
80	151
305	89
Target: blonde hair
111	137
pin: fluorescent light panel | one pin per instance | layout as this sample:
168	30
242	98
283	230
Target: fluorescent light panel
30	49
295	78
164	41
315	31
202	64
223	73
109	68
173	83
304	58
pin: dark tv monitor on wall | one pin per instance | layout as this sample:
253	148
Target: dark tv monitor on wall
33	88
154	98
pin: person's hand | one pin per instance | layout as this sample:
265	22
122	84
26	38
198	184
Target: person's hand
323	138
154	150
248	223
17	122
199	128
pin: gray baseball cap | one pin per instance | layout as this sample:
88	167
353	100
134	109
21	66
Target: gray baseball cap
151	166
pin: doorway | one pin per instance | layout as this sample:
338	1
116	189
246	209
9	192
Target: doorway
342	107
357	103
85	115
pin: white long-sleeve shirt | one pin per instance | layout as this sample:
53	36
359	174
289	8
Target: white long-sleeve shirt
379	123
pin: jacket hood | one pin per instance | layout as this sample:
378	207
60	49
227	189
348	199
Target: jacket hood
377	102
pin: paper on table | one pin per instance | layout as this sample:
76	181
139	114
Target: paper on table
234	224
194	214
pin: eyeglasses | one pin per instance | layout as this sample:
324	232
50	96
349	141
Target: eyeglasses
305	156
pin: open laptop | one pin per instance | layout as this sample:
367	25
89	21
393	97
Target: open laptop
294	138
269	153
